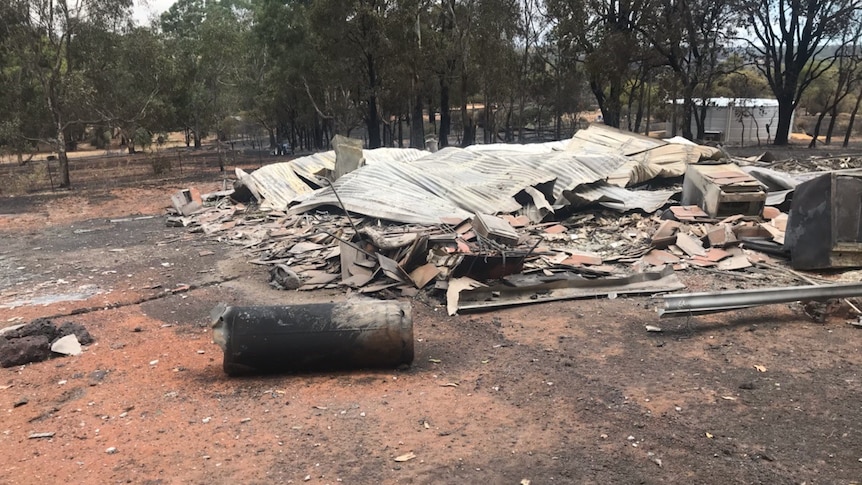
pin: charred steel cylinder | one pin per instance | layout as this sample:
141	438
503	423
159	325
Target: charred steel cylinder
359	334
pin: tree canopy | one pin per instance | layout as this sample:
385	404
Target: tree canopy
299	71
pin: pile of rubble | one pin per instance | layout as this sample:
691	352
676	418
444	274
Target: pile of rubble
497	225
40	340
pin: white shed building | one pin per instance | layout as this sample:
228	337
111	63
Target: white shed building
739	121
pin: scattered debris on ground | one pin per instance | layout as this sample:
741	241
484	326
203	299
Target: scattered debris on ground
40	340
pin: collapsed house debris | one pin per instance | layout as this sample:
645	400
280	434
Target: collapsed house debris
522	289
187	201
498	225
40	340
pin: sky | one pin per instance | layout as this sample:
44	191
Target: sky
145	9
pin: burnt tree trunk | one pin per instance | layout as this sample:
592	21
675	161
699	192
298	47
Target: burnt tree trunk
417	123
816	133
469	137
833	117
785	114
852	119
371	121
445	115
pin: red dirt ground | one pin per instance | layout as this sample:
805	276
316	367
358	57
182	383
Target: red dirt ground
564	392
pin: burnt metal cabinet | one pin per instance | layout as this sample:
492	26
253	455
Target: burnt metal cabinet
722	190
824	228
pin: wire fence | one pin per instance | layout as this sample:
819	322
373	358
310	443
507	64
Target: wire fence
122	170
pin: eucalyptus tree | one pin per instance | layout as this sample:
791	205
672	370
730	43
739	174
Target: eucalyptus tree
834	87
692	37
203	39
45	42
607	34
792	43
265	70
24	121
498	36
350	36
559	79
848	76
406	75
129	75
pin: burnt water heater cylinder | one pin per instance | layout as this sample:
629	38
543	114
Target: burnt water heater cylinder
321	336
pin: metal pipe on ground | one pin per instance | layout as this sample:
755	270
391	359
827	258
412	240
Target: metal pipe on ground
722	301
346	335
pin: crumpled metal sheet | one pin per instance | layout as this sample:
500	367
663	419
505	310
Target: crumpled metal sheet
413	186
546	147
664	161
379	191
781	184
601	139
279	184
314	167
473	297
619	198
455	182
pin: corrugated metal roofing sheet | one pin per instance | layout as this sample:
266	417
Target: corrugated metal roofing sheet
618	198
378	191
600	139
313	167
521	148
414	186
279	184
458	182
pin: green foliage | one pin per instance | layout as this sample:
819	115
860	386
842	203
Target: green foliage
143	138
742	82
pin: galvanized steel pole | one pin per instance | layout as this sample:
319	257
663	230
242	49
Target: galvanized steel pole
722	301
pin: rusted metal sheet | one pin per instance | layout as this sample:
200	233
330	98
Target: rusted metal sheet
566	287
